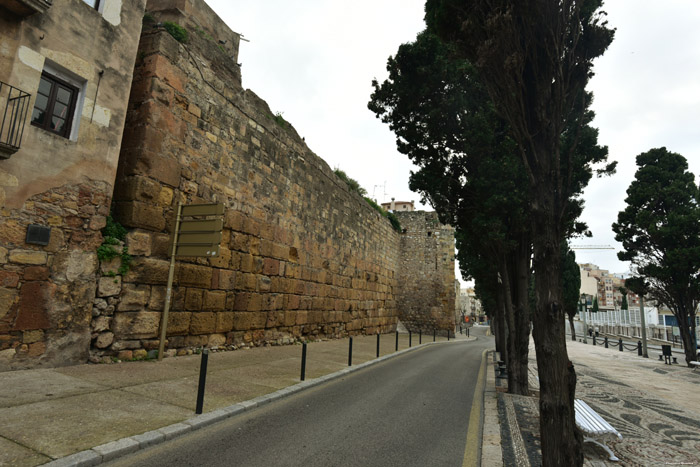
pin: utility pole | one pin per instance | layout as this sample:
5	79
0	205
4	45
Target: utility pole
642	316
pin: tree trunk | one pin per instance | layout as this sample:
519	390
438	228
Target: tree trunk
519	281
561	440
502	327
686	326
512	362
573	329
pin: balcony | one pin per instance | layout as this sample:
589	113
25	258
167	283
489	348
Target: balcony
24	8
14	105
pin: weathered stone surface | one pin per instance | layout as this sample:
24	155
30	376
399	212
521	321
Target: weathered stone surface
145	270
214	300
193	299
28	257
109	286
217	340
138	243
9	279
104	340
136	325
134	297
141	216
75	265
101	323
36	273
203	323
178	323
3	255
30	337
192	275
34	301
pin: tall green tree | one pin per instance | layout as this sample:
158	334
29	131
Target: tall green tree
469	171
571	284
659	231
535	58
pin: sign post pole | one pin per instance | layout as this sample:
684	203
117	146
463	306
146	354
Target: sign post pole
168	290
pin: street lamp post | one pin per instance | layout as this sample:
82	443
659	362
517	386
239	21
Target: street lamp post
642	317
584	309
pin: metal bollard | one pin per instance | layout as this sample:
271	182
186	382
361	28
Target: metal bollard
303	361
409	338
420	337
350	353
202	381
594	341
606	342
448	335
639	348
396	348
467	332
378	335
460	329
620	344
433	335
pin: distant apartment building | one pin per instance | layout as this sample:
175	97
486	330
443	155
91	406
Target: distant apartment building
399	206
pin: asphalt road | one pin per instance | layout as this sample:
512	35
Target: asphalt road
412	410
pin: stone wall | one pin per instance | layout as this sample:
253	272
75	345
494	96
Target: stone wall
65	184
301	255
426	290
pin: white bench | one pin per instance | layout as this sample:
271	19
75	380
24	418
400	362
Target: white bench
696	364
595	428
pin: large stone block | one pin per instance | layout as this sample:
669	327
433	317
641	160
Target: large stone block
28	257
214	300
138	188
136	325
134	297
203	323
140	215
224	321
193	275
138	243
144	270
178	323
109	286
193	299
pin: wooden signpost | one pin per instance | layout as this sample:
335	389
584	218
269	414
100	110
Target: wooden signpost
197	233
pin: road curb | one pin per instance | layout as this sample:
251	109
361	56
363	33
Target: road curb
115	449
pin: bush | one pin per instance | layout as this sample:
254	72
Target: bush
178	32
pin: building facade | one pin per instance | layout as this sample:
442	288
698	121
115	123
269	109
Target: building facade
66	68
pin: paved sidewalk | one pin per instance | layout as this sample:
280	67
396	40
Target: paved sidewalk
49	414
656	408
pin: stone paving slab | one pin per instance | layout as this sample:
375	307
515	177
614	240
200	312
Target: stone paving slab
62	413
655	407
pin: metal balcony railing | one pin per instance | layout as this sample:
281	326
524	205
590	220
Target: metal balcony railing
24	8
14	105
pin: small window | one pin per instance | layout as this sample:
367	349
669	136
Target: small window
93	3
55	105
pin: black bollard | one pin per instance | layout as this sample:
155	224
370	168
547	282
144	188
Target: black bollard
620	343
202	381
350	353
460	329
378	335
467	332
594	341
420	337
410	337
448	335
639	348
606	342
396	348
303	361
433	335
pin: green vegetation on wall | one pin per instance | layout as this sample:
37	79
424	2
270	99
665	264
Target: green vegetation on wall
114	235
354	185
178	32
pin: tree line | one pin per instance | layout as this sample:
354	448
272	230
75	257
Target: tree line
489	102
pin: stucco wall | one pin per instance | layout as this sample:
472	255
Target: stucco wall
46	292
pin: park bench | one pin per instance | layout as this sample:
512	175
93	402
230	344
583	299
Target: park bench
595	428
696	365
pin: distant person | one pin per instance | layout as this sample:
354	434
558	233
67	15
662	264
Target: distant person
590	332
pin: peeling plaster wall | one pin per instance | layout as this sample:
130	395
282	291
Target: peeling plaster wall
62	183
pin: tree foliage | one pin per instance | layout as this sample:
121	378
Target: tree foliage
659	234
571	285
535	58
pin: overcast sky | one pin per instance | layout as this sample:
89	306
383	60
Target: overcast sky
314	60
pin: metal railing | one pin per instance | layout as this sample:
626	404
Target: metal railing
14	105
